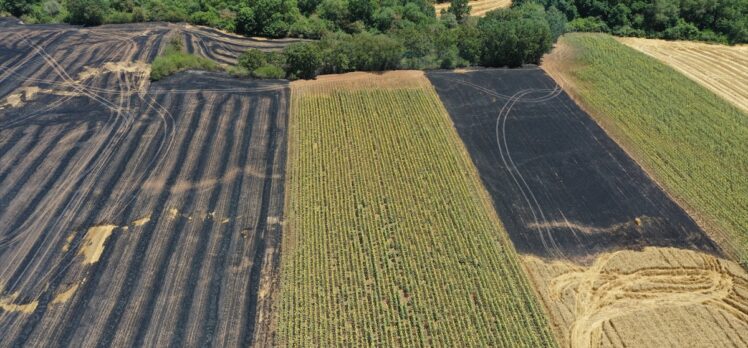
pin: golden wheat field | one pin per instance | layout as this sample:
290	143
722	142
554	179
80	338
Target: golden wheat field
722	69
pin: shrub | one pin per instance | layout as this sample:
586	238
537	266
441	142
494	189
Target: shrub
515	36
174	59
252	59
460	9
681	31
87	12
311	27
303	60
115	17
269	71
588	24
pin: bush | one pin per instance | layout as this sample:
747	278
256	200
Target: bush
209	18
160	10
269	71
87	12
116	17
245	21
174	59
681	31
311	27
469	43
588	24
252	59
17	8
460	9
168	65
369	52
303	60
238	71
515	36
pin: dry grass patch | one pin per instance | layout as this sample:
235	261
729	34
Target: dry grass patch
632	298
478	7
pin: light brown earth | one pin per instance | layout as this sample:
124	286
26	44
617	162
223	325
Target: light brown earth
361	80
657	297
722	69
478	7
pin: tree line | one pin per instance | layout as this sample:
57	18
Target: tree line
723	21
350	34
405	34
506	37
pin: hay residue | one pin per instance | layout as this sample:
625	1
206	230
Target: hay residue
588	229
172	213
64	296
142	221
68	240
362	80
627	292
7	304
17	99
140	72
93	242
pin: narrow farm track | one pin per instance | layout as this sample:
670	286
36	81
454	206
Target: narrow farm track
391	239
134	213
614	260
721	69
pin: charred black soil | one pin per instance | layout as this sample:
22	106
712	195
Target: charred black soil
134	213
561	186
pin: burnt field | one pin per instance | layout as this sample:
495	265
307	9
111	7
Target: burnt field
134	213
614	261
562	187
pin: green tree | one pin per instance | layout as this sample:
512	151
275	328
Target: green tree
335	11
303	60
362	10
87	12
469	43
460	9
556	22
252	59
18	8
245	21
515	36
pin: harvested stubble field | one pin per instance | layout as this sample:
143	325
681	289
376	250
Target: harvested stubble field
134	213
722	69
391	240
477	7
690	140
614	260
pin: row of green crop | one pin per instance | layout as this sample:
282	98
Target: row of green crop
390	240
695	143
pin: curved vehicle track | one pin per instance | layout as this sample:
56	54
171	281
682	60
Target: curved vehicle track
134	213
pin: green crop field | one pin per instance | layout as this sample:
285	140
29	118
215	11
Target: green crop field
693	142
391	240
